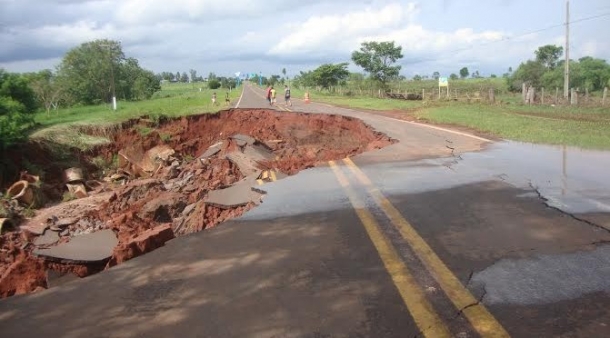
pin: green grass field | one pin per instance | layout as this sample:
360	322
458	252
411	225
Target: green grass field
176	99
528	124
585	127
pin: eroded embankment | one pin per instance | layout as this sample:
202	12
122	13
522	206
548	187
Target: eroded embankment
161	180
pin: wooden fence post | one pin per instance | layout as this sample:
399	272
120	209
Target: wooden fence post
556	95
604	96
586	95
423	94
542	96
492	96
573	97
524	92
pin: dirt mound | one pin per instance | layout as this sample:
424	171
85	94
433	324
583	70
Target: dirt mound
160	187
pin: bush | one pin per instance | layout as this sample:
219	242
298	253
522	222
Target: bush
213	84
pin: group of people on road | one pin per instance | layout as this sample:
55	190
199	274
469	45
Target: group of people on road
271	95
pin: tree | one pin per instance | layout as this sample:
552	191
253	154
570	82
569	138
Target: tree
530	72
193	75
548	55
328	75
17	105
453	76
417	78
214	84
92	72
184	78
377	58
436	75
46	89
464	72
595	73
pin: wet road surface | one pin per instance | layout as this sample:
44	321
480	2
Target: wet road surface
440	235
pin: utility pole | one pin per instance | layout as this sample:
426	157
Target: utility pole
566	74
110	49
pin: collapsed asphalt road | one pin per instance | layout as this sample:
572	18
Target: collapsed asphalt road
438	235
180	177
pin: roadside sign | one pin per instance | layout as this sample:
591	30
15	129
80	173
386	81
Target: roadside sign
443	82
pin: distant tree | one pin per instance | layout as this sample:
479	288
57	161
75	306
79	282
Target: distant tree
212	76
417	78
476	75
436	75
529	72
228	83
510	69
93	71
184	78
193	75
595	73
464	72
328	75
213	83
177	77
548	55
453	76
493	76
46	89
378	58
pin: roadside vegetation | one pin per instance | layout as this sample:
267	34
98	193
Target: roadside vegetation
548	119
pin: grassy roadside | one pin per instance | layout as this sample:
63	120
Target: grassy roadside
583	127
63	126
527	125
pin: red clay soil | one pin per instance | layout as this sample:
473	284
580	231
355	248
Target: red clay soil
147	212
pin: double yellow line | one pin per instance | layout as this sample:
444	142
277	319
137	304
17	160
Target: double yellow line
412	294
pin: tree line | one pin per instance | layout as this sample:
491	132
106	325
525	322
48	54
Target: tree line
378	60
90	73
547	70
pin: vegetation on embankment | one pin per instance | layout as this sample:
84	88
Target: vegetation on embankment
174	99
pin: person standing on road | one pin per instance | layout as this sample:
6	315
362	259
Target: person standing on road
272	95
287	95
269	94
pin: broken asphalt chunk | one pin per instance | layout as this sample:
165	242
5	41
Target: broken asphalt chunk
94	247
243	140
259	153
47	238
211	151
241	193
247	166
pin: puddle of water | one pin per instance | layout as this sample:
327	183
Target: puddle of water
575	180
545	279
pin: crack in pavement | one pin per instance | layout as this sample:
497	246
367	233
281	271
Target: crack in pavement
546	202
478	302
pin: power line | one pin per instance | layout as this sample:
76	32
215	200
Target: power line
507	38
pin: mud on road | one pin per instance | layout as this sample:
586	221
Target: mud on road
161	180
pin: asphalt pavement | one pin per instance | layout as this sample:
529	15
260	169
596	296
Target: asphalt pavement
443	234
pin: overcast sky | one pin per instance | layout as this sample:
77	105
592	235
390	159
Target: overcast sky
268	35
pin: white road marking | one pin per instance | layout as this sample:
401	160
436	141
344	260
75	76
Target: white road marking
242	95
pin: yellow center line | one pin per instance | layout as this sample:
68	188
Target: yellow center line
413	296
480	318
